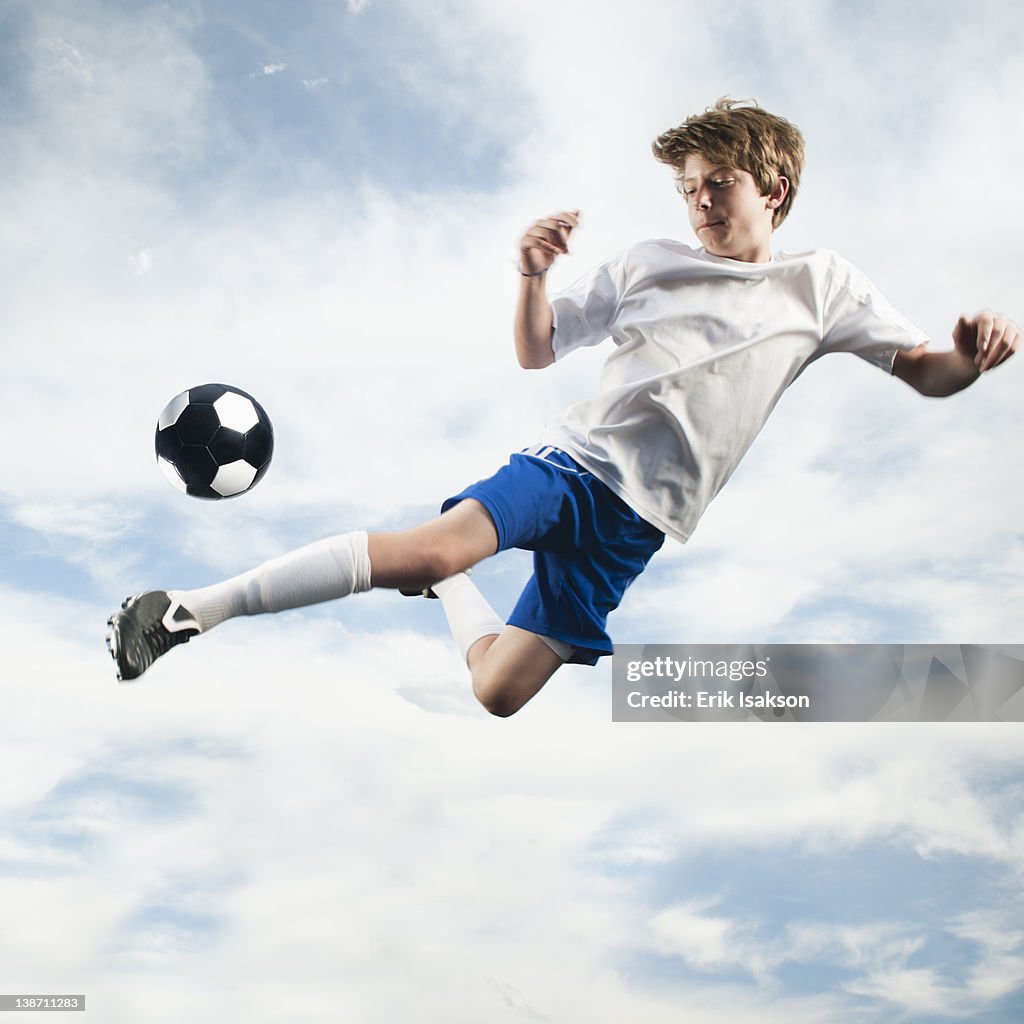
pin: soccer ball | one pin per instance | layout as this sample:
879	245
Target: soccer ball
214	441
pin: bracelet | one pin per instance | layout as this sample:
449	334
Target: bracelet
524	273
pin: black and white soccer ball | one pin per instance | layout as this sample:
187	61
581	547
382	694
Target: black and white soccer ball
214	441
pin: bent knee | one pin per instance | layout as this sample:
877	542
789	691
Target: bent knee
500	698
511	670
443	558
504	690
501	692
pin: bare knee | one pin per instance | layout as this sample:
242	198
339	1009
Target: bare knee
510	669
499	697
411	558
442	557
503	688
454	541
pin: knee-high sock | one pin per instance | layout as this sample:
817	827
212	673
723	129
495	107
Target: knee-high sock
323	571
470	617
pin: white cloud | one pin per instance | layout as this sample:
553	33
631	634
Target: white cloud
876	956
865	947
919	990
305	809
707	941
278	769
107	93
66	58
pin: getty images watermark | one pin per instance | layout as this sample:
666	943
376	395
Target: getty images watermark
817	683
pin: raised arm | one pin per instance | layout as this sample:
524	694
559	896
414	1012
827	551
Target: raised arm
542	244
979	344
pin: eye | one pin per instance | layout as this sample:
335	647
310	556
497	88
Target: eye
723	182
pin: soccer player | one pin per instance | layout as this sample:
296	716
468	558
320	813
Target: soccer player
706	341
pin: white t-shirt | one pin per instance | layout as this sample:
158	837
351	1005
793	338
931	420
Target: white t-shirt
705	346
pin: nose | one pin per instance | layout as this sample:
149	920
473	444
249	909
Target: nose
702	198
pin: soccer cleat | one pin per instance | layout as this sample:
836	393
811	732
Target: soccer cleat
427	591
147	626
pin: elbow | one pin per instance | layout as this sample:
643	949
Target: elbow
938	385
532	355
532	361
925	387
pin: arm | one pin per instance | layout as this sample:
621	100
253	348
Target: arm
538	249
979	344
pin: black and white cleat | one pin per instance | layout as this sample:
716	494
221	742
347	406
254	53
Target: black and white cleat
147	626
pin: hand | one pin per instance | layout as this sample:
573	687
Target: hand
987	338
546	240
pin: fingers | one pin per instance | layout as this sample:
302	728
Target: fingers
962	331
546	239
996	338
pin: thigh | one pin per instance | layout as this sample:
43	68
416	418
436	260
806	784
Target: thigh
528	500
453	541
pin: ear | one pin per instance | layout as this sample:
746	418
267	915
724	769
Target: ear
778	194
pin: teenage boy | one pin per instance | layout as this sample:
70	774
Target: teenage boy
706	341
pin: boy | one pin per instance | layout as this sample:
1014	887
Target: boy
707	339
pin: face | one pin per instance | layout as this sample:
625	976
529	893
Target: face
726	211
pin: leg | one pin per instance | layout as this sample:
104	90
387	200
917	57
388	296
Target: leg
149	625
511	668
588	546
349	564
419	557
508	665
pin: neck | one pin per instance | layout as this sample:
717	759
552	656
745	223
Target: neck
755	254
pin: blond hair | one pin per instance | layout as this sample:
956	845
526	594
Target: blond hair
739	133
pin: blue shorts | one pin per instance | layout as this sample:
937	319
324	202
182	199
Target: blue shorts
588	545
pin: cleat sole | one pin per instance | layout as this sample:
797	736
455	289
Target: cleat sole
141	632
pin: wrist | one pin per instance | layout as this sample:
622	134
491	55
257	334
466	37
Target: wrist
965	363
530	273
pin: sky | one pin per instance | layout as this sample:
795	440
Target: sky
306	816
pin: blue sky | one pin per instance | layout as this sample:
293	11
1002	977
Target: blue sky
307	814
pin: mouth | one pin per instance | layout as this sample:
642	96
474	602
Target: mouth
710	224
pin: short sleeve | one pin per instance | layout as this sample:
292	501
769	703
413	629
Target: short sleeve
584	312
858	319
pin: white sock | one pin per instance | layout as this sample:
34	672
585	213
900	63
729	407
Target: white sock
470	617
323	571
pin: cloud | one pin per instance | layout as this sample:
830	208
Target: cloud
706	941
310	809
875	959
278	766
65	58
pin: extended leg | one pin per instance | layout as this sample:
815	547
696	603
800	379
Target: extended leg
508	665
150	624
350	563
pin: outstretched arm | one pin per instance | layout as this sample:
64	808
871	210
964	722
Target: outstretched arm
979	344
538	249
